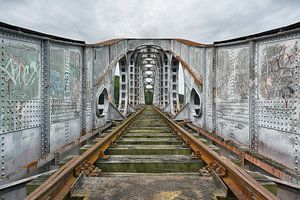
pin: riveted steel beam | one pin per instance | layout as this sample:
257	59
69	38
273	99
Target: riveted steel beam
45	99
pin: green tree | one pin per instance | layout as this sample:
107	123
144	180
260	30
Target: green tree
116	89
148	97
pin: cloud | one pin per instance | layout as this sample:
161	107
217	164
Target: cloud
199	20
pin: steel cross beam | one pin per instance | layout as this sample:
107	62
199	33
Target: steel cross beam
58	185
241	184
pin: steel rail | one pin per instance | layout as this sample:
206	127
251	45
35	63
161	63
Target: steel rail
244	155
241	184
60	183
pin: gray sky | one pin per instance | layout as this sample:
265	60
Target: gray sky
198	20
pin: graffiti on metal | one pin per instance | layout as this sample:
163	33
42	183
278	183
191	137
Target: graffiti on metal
65	81
20	65
57	74
233	74
277	65
20	69
74	75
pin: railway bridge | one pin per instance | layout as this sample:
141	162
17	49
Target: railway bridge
185	120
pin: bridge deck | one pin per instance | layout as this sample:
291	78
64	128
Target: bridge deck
149	156
136	187
148	162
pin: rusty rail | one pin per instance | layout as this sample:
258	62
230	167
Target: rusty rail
244	155
60	183
241	184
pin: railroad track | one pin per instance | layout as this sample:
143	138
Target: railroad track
149	156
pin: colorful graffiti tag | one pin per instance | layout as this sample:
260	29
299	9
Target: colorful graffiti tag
65	77
277	67
233	74
57	67
20	78
75	63
20	72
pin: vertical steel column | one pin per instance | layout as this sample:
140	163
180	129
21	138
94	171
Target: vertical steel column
83	91
2	92
204	88
131	80
94	77
45	98
214	91
123	92
166	71
253	92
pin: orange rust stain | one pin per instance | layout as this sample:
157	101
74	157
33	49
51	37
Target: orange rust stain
192	43
109	42
82	133
197	79
31	165
183	41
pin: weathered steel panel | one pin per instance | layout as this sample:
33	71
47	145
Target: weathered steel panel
278	145
132	44
65	83
164	44
88	90
73	130
64	132
176	47
65	94
106	83
101	60
19	149
89	123
121	47
184	53
197	60
208	90
113	52
277	103
57	135
232	98
20	64
20	110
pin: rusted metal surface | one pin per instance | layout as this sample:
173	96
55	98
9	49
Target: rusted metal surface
245	155
108	42
38	163
154	187
59	184
241	184
195	76
192	43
